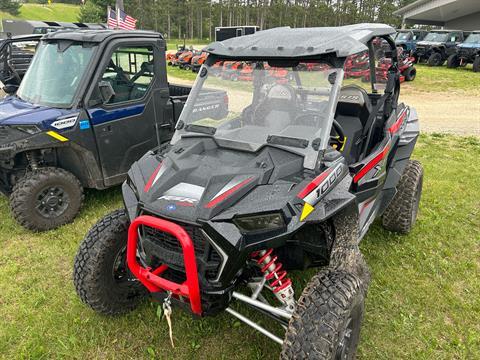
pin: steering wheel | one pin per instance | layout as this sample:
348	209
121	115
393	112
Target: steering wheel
338	141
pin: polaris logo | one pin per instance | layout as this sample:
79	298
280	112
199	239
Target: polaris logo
65	123
178	199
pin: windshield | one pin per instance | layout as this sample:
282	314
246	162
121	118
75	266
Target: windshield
53	76
403	36
436	37
473	39
246	105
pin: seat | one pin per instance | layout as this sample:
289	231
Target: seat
278	109
353	111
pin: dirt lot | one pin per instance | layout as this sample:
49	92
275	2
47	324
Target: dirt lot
455	113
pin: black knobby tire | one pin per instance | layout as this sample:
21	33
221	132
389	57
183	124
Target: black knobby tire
46	198
327	320
100	273
401	214
476	64
453	61
435	59
410	73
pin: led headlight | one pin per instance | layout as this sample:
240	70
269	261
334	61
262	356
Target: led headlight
263	222
29	129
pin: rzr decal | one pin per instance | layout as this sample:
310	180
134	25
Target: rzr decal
317	188
184	194
179	200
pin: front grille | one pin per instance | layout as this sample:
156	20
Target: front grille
163	248
465	53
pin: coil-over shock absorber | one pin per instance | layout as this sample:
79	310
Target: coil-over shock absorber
276	278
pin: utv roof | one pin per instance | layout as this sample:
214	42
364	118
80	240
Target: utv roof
98	36
301	42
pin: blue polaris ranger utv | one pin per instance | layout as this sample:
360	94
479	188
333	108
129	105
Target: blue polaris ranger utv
91	103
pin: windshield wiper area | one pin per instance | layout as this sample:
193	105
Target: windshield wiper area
287	141
201	129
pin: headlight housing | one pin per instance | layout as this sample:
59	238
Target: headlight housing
260	223
29	129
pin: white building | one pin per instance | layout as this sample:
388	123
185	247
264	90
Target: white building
451	14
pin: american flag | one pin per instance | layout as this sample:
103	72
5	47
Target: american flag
126	22
111	19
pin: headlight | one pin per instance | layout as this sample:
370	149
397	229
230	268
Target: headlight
29	129
257	223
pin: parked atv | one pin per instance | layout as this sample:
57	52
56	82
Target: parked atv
185	59
198	60
290	178
172	58
406	67
467	53
408	38
437	46
89	106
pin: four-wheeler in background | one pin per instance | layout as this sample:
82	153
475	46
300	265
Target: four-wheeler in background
91	103
408	38
291	177
198	60
185	59
437	46
467	52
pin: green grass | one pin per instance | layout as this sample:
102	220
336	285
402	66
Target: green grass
423	303
54	12
443	79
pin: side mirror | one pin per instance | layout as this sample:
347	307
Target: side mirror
10	89
106	91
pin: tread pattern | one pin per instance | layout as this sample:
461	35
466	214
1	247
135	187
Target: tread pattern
399	215
93	266
21	199
320	316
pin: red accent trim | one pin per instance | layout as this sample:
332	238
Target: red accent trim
149	183
369	166
151	279
314	183
228	193
184	203
397	124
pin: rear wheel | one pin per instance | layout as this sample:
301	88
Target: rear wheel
401	214
410	73
46	198
453	61
435	59
476	64
327	320
100	272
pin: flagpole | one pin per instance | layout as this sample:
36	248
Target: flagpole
117	9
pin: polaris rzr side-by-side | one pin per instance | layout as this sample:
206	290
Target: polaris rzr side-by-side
290	177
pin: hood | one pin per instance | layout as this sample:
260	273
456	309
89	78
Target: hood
469	46
197	180
14	111
429	43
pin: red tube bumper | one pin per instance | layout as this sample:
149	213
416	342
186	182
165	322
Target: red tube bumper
151	278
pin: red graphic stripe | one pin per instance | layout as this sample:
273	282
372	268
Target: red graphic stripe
394	128
369	166
149	184
314	183
227	193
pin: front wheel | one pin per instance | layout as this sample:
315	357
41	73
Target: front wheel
401	214
476	64
100	272
435	59
46	198
327	320
453	61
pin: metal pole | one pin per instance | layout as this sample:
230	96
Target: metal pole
262	305
254	325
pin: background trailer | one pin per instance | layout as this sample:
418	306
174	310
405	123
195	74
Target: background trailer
228	32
